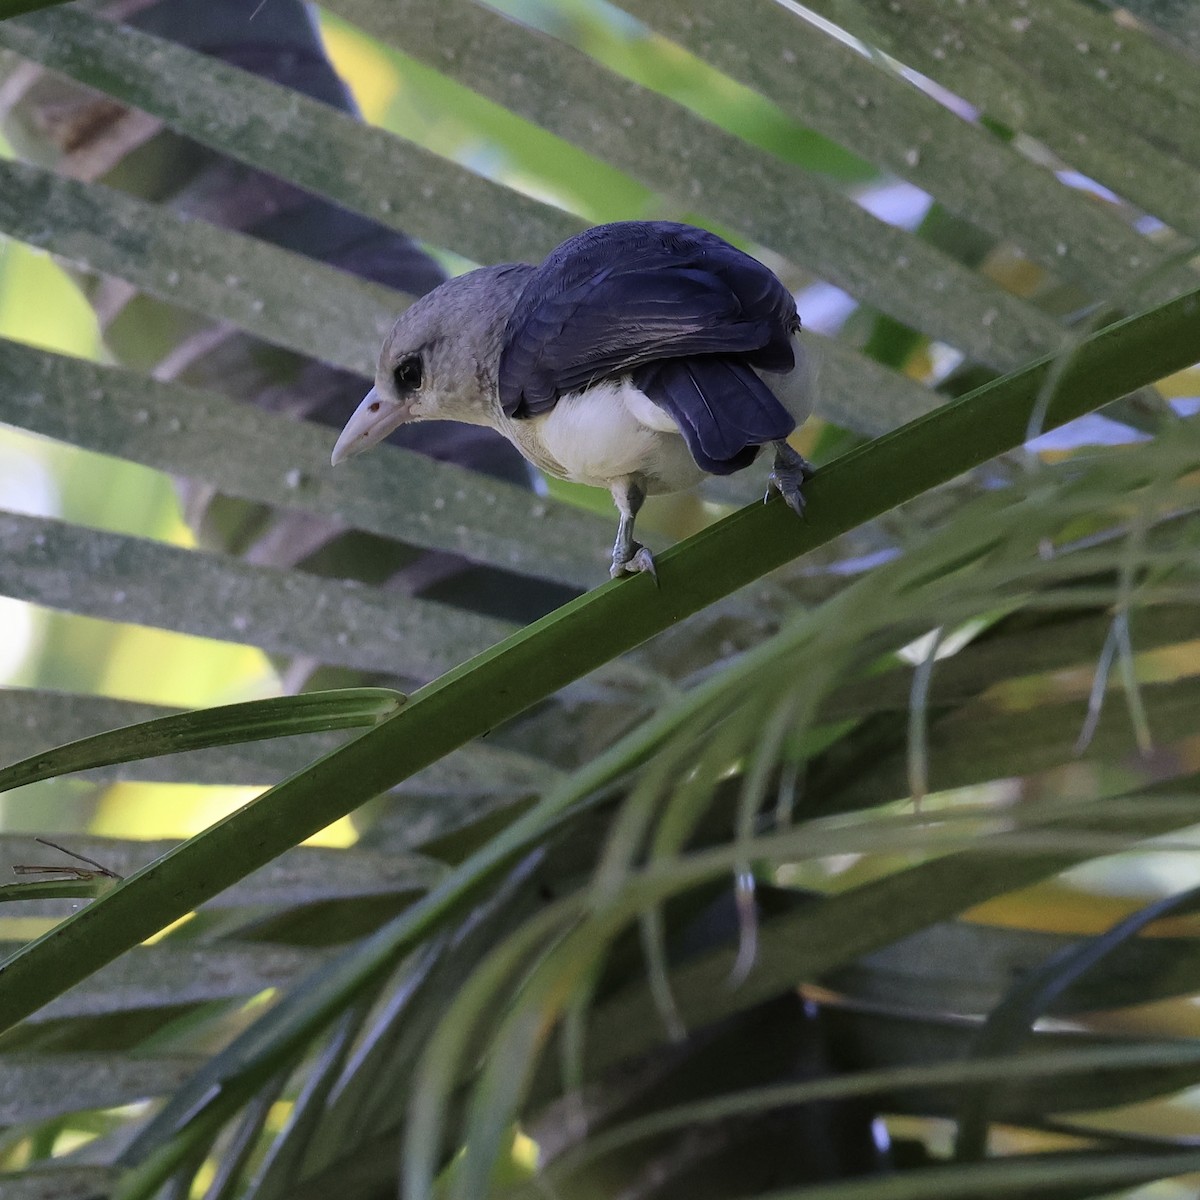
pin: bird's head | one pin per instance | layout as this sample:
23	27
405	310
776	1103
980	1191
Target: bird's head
440	360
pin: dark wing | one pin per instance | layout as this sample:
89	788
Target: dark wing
723	409
625	295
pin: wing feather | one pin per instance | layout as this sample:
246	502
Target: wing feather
723	409
622	296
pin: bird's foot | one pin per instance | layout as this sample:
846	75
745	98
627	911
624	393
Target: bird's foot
635	563
790	473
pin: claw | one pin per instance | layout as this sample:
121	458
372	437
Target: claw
789	487
640	561
788	477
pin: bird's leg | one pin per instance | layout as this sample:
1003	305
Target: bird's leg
629	557
787	478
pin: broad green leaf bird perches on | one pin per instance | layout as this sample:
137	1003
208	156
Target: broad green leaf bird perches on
628	360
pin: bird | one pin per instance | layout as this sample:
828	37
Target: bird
633	359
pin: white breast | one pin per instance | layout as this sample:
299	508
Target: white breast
607	432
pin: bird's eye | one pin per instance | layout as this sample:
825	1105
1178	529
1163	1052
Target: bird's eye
408	374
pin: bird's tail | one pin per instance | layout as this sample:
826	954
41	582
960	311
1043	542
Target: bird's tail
723	409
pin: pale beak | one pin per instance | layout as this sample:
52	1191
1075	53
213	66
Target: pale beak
371	422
